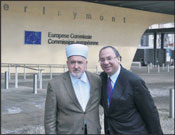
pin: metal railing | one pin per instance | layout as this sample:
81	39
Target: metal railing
43	67
33	67
150	66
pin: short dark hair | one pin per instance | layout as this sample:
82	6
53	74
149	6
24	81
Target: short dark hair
114	49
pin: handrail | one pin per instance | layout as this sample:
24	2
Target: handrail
18	65
30	68
40	66
33	65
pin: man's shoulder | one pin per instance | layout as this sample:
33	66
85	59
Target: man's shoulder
58	78
93	75
129	75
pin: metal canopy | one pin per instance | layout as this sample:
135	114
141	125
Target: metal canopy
162	30
165	7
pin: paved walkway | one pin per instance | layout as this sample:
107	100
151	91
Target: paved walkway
22	112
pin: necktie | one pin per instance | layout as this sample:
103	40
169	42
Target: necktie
109	89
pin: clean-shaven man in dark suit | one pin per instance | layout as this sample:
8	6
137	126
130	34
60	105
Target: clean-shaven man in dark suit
128	105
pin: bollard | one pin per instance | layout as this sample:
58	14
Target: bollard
158	68
9	72
50	72
140	65
64	69
163	66
6	80
96	69
35	83
40	80
168	68
171	109
38	72
16	77
150	65
24	72
148	68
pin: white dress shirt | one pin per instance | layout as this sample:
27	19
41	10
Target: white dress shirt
115	76
82	89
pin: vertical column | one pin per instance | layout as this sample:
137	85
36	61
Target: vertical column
6	80
9	77
168	67
148	68
38	72
24	72
64	68
35	83
158	68
139	65
96	69
50	71
40	80
163	66
16	77
155	48
171	109
163	56
151	66
162	40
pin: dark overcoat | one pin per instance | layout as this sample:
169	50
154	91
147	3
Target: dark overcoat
132	109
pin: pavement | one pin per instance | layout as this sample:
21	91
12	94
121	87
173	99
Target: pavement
22	111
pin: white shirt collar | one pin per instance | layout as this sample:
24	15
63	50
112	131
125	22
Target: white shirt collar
83	78
115	75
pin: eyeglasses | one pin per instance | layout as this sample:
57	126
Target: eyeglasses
109	59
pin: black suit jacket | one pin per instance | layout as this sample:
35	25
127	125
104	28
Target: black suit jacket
132	109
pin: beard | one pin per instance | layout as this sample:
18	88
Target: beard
76	73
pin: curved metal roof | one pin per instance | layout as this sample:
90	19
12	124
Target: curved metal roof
165	7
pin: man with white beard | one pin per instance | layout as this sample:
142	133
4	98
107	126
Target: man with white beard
72	101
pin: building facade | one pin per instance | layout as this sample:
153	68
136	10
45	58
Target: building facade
37	32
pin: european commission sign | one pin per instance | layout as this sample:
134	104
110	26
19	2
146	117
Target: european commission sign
32	37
